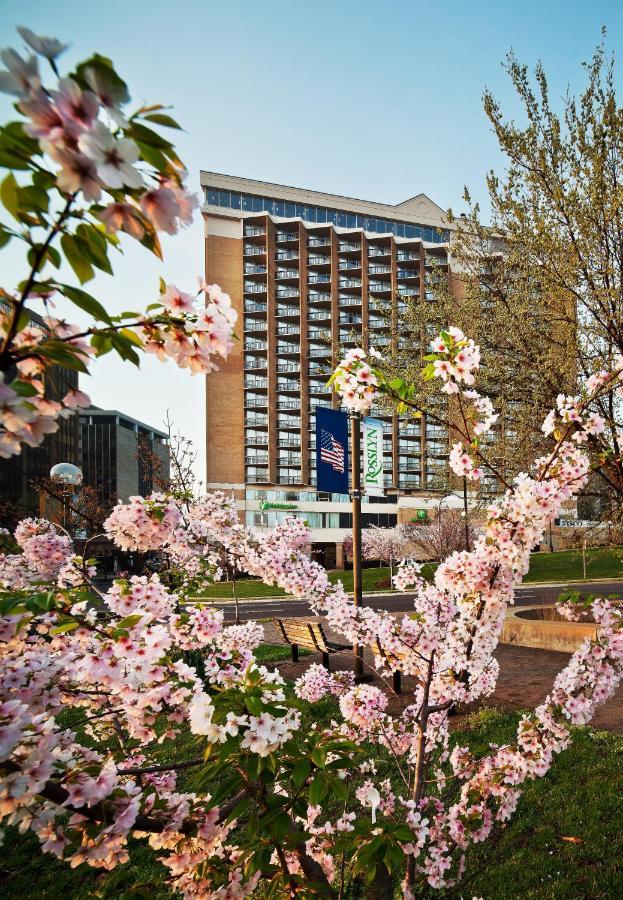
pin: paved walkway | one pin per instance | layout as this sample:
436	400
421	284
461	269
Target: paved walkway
526	677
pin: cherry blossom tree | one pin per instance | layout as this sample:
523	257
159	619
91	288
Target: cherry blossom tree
83	172
288	807
388	545
439	538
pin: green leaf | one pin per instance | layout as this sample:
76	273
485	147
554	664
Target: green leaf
162	119
75	254
86	302
300	773
5	236
9	195
60	352
129	621
280	826
95	241
318	789
63	629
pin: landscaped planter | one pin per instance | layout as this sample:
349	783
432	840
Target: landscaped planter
544	628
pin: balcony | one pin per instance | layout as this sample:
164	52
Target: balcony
284	293
284	310
288	479
288	442
259	439
286	274
318	278
254	250
319	242
288	404
256	421
284	237
409	483
319	260
251	287
289	460
258	478
288	385
316	315
286	254
349	282
250	269
404	255
254	325
288	367
408	290
252	344
408	273
254	230
379	270
349	300
288	329
255	383
316	352
251	306
289	422
348	247
255	402
350	319
381	287
349	264
289	349
255	363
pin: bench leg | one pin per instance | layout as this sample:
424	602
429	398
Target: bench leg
295	652
325	662
397	682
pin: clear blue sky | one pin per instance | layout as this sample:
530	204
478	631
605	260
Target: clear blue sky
368	99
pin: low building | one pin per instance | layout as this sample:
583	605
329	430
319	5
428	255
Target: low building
120	456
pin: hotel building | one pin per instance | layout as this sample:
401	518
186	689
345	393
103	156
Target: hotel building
310	275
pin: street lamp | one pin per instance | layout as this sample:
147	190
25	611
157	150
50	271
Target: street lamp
68	477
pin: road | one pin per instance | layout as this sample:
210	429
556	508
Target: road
525	596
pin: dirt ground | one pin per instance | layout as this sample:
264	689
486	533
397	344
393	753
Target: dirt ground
526	677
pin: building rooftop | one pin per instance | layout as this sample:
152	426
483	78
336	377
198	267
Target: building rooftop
97	412
419	209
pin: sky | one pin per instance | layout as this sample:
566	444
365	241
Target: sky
379	101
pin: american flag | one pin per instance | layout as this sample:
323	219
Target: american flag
331	451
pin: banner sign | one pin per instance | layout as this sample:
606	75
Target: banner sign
373	457
331	450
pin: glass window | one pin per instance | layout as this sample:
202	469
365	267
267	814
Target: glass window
235	200
290	210
321	214
279	208
269	206
341	219
223	198
257	204
428	234
212	197
300	210
247	202
310	213
360	221
410	231
400	229
331	216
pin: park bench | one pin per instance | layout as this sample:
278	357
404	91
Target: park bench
309	635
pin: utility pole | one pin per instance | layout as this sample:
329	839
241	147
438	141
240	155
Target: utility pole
465	513
355	493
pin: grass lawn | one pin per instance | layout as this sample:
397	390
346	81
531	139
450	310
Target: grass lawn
566	565
563	565
581	798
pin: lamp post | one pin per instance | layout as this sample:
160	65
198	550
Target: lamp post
68	477
439	502
355	493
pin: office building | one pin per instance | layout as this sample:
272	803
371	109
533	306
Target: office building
121	457
310	275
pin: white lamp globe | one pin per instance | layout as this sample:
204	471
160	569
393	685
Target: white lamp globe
66	473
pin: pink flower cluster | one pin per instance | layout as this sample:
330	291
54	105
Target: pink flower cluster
355	382
143	524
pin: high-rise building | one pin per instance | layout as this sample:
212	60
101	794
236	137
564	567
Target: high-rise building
120	456
311	274
21	474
